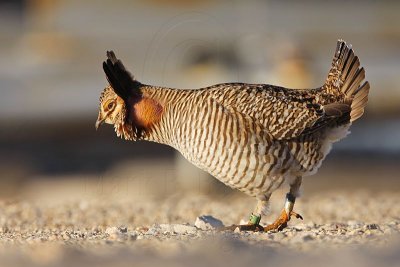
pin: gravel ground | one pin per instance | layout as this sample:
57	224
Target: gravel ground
113	231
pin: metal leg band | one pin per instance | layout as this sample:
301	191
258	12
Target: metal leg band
289	203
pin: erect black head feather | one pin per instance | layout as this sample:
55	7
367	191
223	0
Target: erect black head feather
119	78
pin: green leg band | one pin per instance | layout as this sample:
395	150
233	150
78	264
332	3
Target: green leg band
254	219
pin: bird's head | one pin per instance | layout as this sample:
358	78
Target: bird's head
111	109
122	103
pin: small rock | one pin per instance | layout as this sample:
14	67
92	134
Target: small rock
112	230
331	227
65	236
372	226
355	232
301	227
207	222
166	228
354	224
115	233
184	229
290	233
142	229
154	230
95	229
123	229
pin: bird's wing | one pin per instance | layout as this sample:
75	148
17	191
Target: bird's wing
242	124
293	119
284	113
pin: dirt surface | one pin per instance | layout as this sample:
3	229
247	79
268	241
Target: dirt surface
107	230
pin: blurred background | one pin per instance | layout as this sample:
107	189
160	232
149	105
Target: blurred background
51	77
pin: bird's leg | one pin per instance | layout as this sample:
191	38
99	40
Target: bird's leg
281	222
254	221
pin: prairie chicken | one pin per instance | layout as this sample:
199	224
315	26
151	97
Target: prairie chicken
252	137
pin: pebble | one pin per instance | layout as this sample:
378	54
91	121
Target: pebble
112	230
153	230
372	226
301	227
116	232
133	236
123	229
184	229
207	222
354	224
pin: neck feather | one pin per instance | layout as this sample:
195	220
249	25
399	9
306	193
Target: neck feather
123	128
162	128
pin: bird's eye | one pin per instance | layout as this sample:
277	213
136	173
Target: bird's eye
110	105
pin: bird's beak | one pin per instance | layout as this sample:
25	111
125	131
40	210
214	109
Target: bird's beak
99	121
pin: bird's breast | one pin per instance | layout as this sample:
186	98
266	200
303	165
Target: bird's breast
231	148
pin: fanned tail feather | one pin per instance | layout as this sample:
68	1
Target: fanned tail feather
347	77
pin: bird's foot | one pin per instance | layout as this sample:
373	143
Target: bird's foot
252	225
281	222
245	227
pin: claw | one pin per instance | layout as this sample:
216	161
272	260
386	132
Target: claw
281	223
298	216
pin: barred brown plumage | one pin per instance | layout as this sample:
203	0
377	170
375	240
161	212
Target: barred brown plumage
252	137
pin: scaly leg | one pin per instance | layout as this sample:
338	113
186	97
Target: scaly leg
281	222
